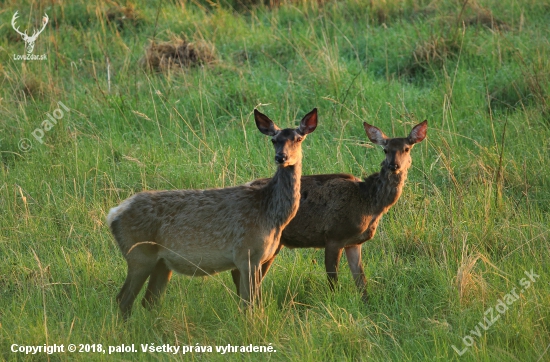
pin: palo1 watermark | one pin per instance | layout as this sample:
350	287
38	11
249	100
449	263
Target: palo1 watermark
25	144
29	40
502	305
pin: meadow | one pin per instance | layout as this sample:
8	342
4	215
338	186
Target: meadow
458	269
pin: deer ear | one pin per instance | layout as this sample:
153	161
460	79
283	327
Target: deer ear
264	124
375	135
308	123
418	133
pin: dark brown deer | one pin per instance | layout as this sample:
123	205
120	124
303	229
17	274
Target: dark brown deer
340	212
203	232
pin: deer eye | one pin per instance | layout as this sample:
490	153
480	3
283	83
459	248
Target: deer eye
407	149
300	139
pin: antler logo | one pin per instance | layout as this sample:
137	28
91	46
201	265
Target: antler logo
29	40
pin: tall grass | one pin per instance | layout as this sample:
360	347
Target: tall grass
473	217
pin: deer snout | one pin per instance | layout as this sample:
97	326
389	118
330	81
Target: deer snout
394	166
281	157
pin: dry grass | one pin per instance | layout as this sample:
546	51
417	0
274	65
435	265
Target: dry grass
485	18
32	87
122	15
469	282
473	14
431	54
434	51
241	5
389	12
178	54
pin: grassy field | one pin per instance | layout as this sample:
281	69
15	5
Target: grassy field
472	222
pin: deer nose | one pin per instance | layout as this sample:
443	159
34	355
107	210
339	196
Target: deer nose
394	166
281	157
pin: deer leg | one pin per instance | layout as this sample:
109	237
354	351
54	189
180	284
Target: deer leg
141	263
353	254
249	283
265	268
137	275
157	284
333	254
236	275
266	265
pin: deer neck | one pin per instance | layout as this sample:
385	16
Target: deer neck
283	195
383	189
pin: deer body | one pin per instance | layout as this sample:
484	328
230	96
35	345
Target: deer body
203	232
348	209
340	212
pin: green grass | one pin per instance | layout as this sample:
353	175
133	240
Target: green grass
473	217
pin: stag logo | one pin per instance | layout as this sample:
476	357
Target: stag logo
29	40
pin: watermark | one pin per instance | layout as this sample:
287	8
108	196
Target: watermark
502	305
29	40
25	144
148	348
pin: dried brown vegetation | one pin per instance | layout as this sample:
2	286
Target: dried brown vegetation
381	13
486	19
248	4
177	54
470	282
431	54
123	15
31	86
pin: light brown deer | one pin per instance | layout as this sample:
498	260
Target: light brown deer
204	232
340	212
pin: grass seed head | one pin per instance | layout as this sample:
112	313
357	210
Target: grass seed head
177	54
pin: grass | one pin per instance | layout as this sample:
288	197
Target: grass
473	217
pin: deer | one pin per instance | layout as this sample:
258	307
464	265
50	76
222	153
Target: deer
340	211
204	232
29	40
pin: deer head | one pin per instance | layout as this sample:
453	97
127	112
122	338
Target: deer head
397	150
29	40
287	142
